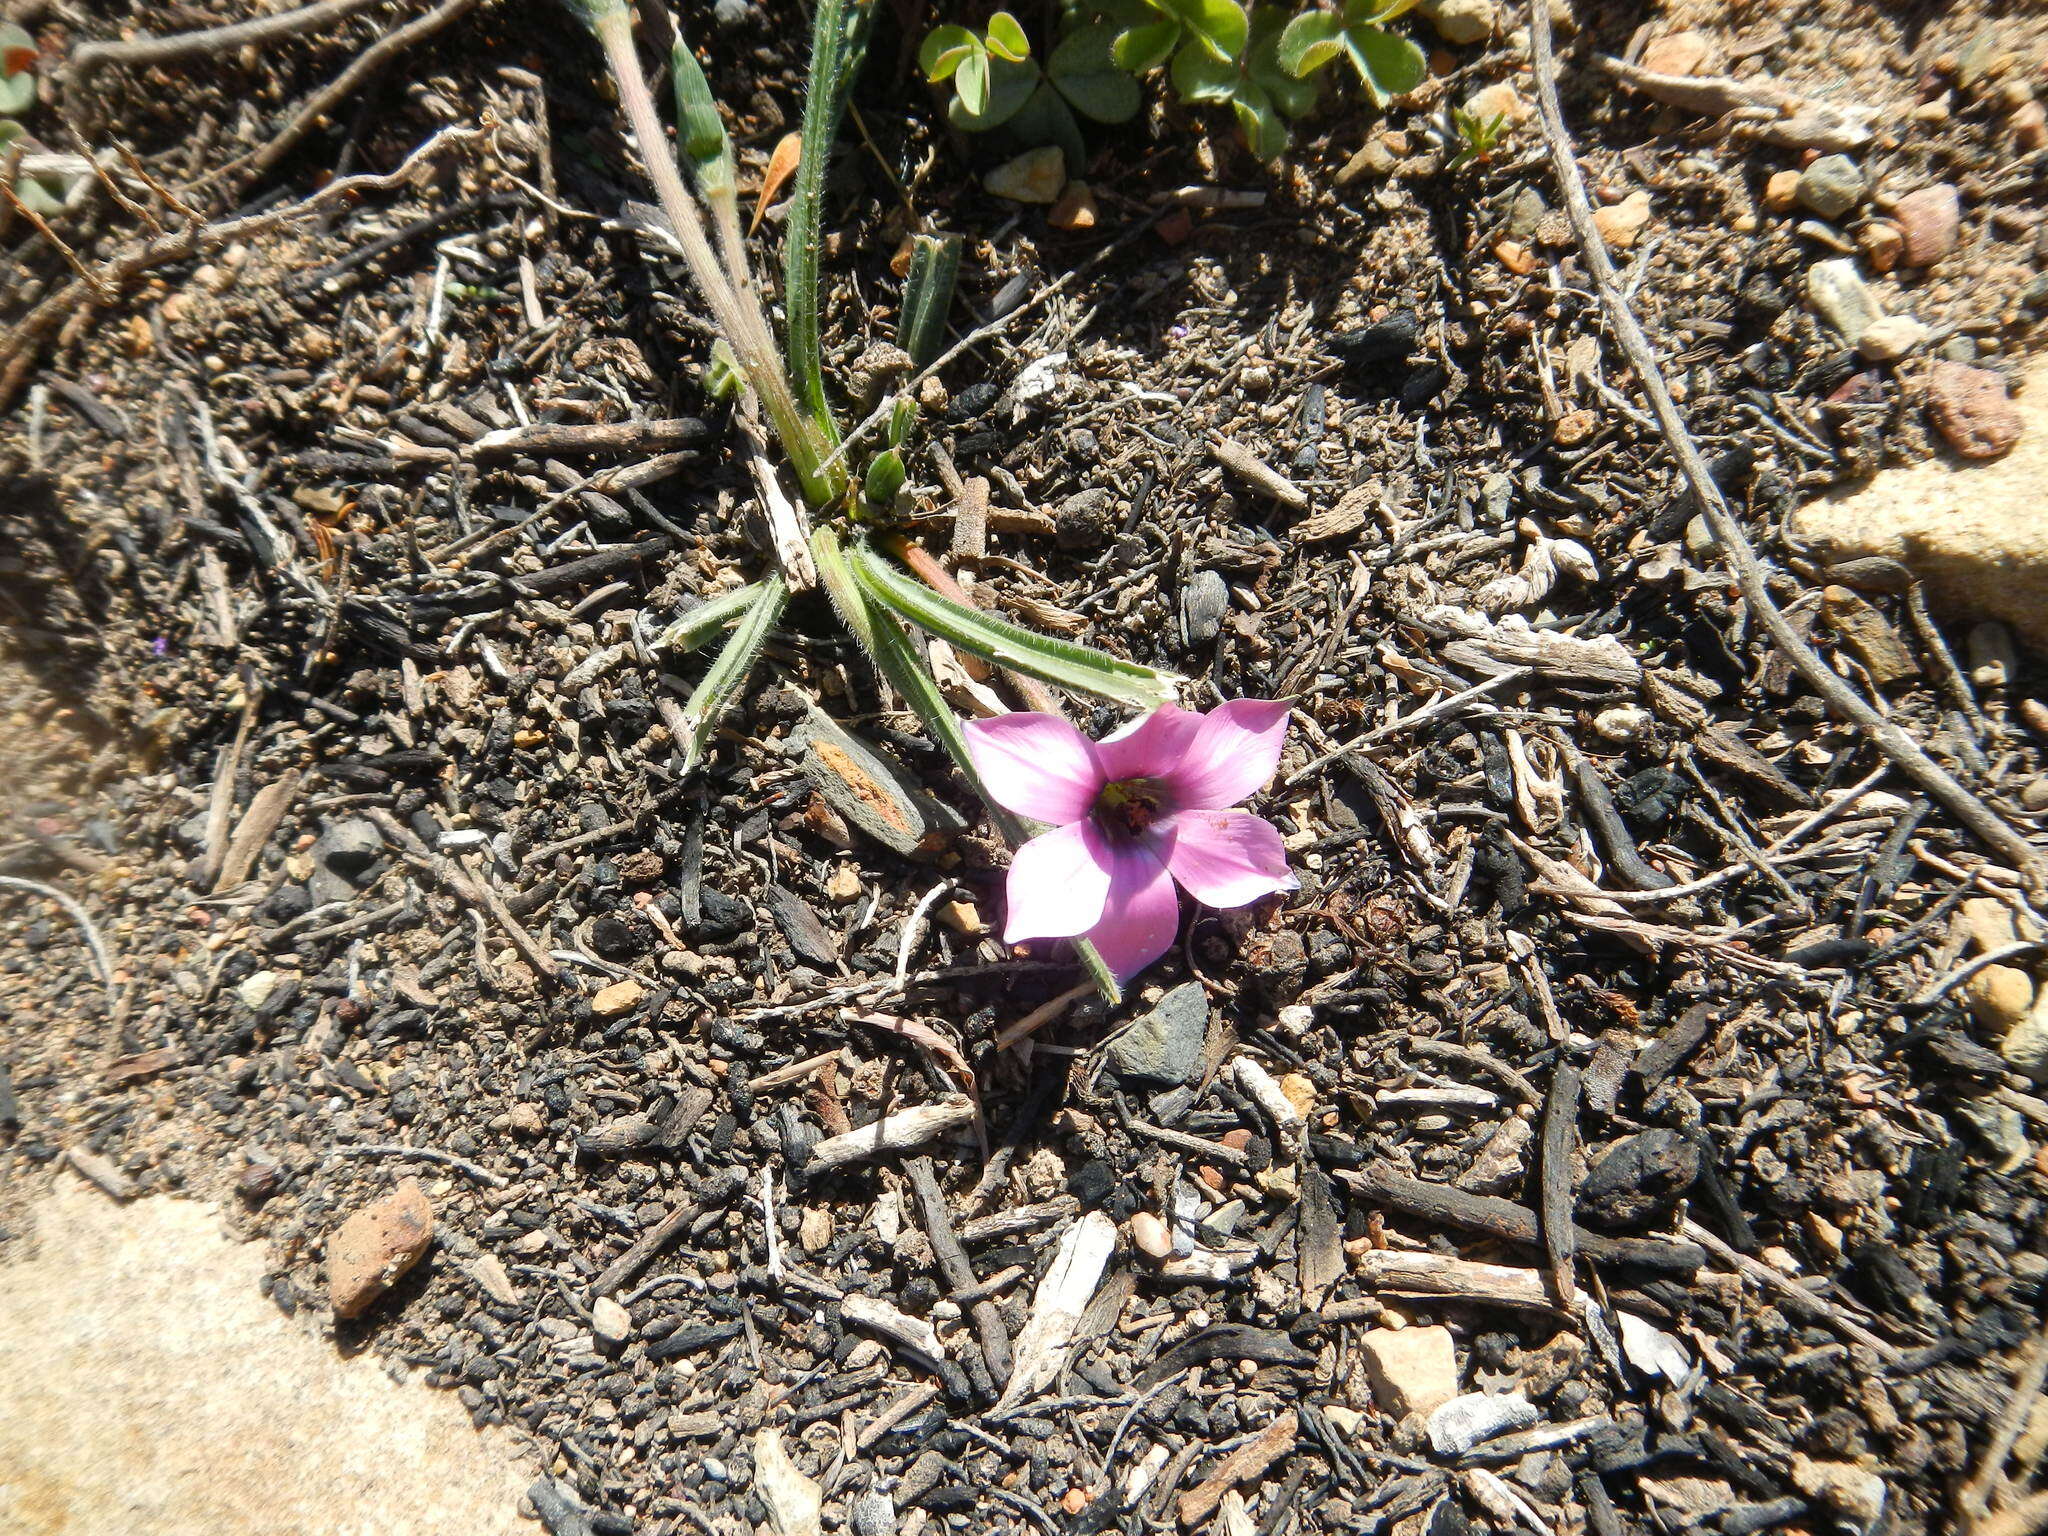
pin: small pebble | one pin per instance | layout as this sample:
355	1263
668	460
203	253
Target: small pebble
1928	221
1971	410
1036	176
1831	186
1890	337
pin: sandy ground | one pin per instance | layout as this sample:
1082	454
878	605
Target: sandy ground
152	1390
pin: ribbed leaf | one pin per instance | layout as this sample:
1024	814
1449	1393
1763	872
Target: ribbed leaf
729	671
838	44
928	296
1060	662
707	619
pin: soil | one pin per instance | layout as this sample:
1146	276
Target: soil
265	572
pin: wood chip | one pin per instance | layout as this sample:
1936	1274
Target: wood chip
1248	1461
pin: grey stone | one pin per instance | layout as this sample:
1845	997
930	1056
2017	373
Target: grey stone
1463	1422
1203	602
872	793
1165	1046
344	856
1836	292
1831	186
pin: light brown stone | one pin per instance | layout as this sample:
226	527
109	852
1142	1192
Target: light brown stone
152	1389
1411	1370
1876	644
618	998
1677	53
373	1248
1974	533
1929	220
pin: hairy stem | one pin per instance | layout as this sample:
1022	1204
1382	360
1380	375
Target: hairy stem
735	310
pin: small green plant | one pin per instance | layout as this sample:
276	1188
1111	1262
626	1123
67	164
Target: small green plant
1478	137
1386	65
1260	61
826	540
996	82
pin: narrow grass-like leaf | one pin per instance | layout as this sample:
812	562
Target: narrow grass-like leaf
707	619
1059	662
928	296
729	671
838	44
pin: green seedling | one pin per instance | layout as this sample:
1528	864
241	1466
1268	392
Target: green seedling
1387	65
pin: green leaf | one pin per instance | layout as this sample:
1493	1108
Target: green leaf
1009	87
928	296
1143	49
1387	65
1310	41
970	80
1006	39
1047	119
729	671
838	44
1265	133
902	417
700	131
1070	666
1375	13
1199	75
1084	69
10	130
885	479
722	378
707	619
1220	25
1291	95
943	49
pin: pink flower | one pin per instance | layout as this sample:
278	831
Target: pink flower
1131	816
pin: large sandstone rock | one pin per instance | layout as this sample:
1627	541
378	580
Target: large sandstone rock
1975	533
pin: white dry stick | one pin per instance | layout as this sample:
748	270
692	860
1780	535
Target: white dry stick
795	1502
899	1132
787	530
1259	1085
898	1327
1069	1284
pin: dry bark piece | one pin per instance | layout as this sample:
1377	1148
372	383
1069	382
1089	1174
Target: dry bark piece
370	1251
1048	1334
1247	1462
869	791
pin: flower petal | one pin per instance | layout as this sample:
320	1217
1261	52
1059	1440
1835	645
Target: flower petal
1230	757
1036	765
1142	914
1058	883
1225	858
1149	748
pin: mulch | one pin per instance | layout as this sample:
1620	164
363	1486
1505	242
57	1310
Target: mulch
1616	1027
